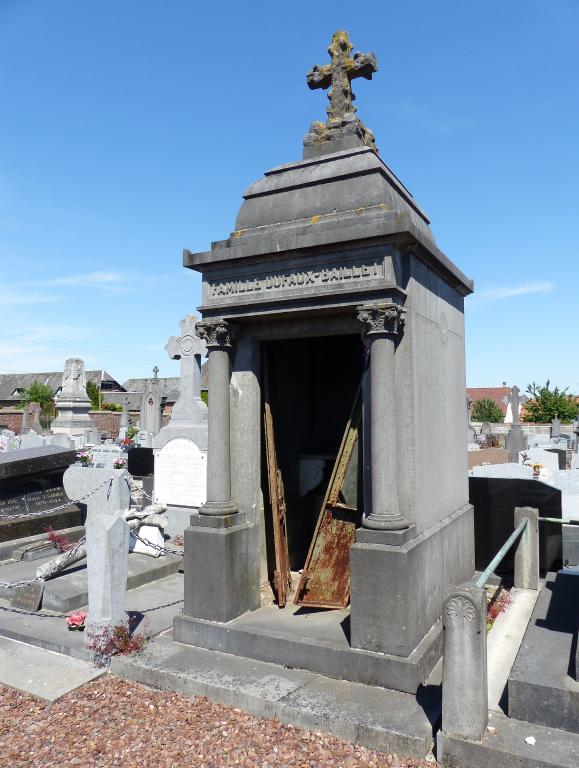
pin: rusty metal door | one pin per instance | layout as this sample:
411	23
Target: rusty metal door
325	581
282	580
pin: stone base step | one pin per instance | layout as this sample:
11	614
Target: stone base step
381	719
505	746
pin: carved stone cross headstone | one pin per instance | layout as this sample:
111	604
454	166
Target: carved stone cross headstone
516	401
188	348
337	76
516	440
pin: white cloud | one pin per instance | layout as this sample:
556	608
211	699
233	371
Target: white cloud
113	282
10	300
45	348
92	278
510	292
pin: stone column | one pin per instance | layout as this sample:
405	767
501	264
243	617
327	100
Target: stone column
527	551
217	335
382	323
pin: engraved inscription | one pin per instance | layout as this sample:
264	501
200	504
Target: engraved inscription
181	474
308	277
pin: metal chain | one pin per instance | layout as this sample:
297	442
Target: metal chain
28	515
55	568
135	489
157	547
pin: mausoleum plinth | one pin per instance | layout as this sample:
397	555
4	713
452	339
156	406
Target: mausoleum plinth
330	285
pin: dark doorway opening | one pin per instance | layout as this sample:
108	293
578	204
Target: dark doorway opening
312	386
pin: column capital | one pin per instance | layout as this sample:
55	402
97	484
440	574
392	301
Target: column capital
217	333
381	319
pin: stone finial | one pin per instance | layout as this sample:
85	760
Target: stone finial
337	76
380	319
216	333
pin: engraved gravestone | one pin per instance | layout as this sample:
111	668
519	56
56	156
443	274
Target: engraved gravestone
180	448
28	597
181	474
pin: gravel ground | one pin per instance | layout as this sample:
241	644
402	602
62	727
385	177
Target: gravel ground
111	722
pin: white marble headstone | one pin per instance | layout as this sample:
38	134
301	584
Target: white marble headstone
180	474
539	439
532	456
104	456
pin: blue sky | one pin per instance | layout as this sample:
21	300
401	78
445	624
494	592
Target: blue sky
129	130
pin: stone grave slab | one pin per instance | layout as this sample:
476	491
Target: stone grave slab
44	674
541	690
532	456
31	440
539	439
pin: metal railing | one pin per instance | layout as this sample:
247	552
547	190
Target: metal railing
490	569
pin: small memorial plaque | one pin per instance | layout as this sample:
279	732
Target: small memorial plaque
28	598
12	507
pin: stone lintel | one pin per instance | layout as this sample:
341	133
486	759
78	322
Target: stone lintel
301	238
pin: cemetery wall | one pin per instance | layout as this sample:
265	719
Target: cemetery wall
527	428
11	419
107	421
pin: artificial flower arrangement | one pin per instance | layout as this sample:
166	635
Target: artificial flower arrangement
76	620
120	463
85	458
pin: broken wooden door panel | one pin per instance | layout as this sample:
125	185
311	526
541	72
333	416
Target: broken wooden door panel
281	580
325	581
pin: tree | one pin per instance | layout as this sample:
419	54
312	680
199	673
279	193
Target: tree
486	410
94	395
42	394
546	404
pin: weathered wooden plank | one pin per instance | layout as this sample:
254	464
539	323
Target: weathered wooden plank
325	581
281	580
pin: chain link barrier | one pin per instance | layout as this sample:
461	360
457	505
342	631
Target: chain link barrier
70	554
28	515
156	547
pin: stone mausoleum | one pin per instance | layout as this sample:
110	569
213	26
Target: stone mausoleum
332	276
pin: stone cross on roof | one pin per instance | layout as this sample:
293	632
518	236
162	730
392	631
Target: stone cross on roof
337	76
188	348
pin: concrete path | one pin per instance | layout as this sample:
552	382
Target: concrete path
42	673
504	641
